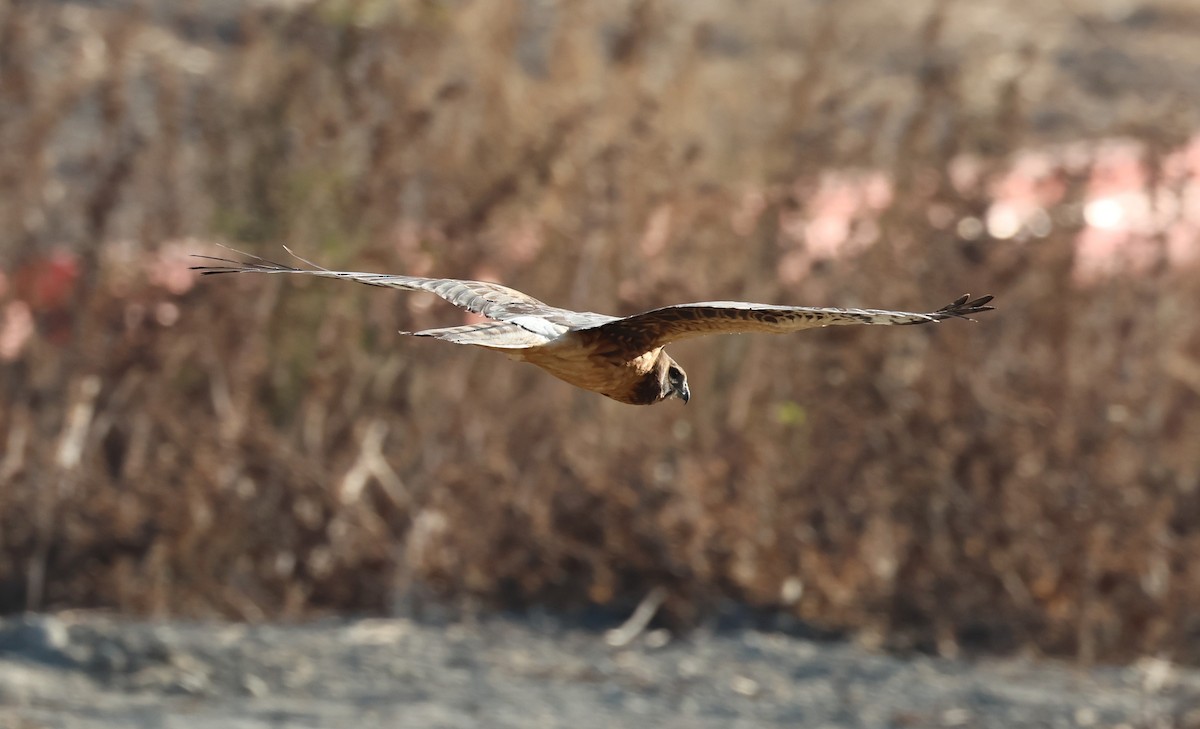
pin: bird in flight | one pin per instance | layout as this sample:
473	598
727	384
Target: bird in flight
619	357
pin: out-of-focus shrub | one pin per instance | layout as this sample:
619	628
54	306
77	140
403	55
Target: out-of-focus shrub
258	448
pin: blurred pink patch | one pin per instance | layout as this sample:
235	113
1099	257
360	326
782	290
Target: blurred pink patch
170	266
839	219
16	328
965	174
1183	244
1126	224
1102	252
1183	164
1023	197
877	190
840	199
657	231
1130	226
1117	168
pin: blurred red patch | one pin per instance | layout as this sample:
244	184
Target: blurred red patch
45	283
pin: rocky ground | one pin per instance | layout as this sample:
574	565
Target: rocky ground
77	671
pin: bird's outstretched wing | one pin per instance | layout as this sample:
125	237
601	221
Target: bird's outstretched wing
494	301
657	327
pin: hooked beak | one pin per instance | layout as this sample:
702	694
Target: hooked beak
683	393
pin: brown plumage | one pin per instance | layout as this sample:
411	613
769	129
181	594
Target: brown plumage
620	357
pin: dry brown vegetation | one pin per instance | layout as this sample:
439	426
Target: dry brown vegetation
259	448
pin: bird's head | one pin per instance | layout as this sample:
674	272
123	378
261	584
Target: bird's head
672	379
664	380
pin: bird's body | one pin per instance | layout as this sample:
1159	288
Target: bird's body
632	380
619	357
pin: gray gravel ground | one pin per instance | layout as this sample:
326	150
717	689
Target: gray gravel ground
77	671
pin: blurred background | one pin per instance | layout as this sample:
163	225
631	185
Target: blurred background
267	449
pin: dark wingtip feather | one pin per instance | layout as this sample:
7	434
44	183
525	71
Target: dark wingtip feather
232	265
963	306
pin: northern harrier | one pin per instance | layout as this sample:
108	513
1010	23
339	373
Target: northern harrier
619	357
